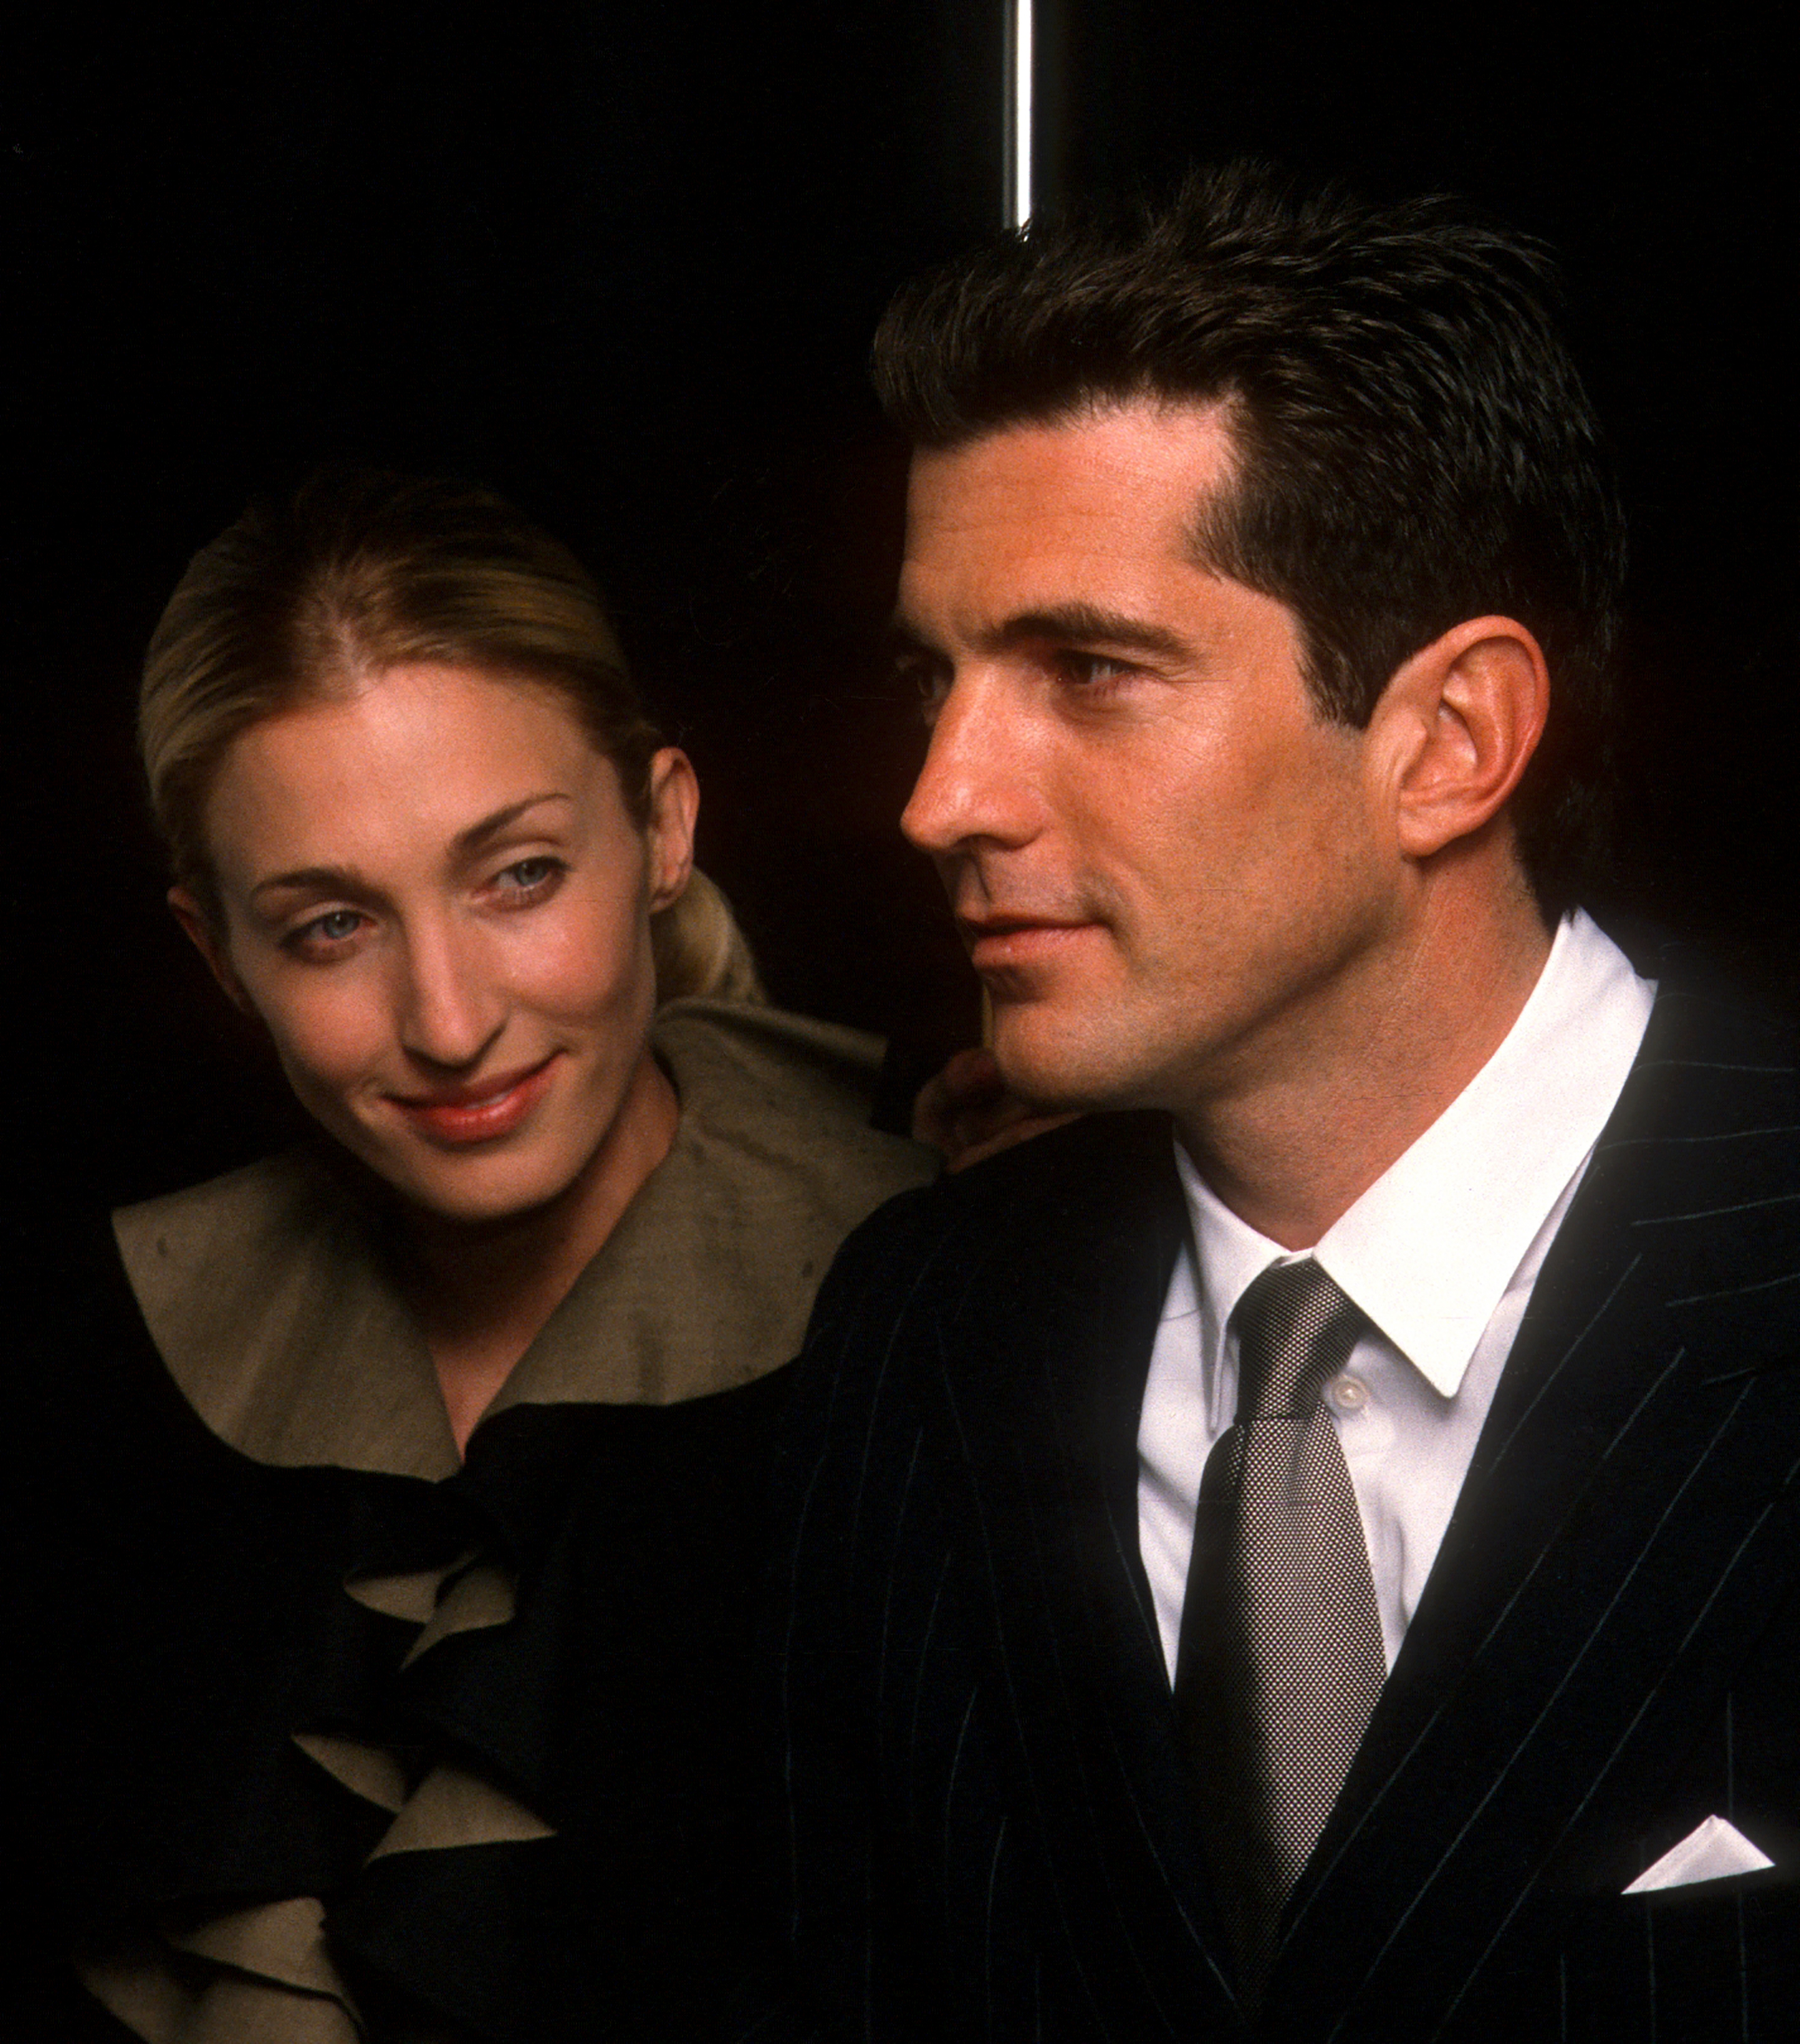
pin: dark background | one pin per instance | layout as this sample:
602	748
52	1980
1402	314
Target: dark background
622	261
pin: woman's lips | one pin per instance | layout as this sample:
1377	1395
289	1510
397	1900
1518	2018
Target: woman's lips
477	1113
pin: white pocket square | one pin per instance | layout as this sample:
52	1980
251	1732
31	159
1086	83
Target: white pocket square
1709	1852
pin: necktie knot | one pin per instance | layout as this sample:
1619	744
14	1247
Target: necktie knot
1295	1329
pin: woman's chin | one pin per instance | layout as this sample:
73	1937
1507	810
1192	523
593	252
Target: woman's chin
472	1192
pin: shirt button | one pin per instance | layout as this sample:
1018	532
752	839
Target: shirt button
1349	1394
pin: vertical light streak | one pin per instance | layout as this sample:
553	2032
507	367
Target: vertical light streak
1018	38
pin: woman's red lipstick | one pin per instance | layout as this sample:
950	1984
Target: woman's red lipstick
480	1111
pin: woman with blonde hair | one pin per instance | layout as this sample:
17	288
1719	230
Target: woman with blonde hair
419	1467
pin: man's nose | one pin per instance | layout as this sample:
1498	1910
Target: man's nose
976	782
451	1003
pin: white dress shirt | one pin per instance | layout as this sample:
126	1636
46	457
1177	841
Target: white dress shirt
1440	1254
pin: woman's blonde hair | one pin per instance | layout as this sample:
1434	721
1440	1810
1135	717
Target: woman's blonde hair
314	595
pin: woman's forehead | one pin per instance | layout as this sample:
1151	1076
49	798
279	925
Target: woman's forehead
421	751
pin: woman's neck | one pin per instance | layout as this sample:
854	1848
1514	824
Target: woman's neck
482	1293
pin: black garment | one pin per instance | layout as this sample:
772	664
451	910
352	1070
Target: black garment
992	1821
190	1615
328	1733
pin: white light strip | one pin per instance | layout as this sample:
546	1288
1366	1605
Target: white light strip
1018	112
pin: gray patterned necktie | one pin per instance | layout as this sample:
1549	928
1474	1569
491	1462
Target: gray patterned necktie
1281	1659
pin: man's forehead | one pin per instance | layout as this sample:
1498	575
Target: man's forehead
1127	476
1044	513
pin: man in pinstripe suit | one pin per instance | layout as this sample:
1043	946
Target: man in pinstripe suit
1262	579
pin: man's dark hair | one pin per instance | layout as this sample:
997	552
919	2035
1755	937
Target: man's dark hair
1416	446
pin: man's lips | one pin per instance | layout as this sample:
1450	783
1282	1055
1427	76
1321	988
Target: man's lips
996	941
480	1110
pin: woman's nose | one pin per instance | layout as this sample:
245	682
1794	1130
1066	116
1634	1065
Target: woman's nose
451	1004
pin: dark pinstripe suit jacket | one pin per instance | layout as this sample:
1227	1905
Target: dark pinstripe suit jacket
988	1833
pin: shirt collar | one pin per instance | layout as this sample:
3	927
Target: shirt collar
1428	1252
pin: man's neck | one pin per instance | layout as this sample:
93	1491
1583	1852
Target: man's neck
1291	1141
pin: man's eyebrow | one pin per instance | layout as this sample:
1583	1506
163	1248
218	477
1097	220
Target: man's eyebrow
1088	624
905	641
1069	624
345	880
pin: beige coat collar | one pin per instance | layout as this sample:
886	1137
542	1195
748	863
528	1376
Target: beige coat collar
266	1294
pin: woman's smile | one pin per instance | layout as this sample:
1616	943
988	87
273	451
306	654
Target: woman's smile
482	1111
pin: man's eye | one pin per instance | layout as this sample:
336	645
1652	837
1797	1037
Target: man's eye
1093	670
930	678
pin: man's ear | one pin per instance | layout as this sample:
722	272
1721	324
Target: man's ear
1460	721
205	937
674	805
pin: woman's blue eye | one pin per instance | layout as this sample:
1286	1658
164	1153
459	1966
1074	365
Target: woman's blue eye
323	937
528	879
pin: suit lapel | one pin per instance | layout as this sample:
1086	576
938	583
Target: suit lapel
1037	1390
1610	1559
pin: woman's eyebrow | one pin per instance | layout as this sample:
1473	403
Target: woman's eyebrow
313	879
345	880
490	827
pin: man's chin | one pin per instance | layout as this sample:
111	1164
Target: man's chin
1058	1069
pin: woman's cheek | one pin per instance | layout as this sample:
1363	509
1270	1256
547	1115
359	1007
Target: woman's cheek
328	1033
591	964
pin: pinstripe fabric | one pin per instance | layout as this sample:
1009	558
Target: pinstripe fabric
987	1832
